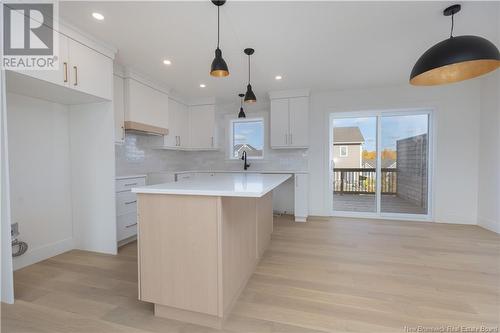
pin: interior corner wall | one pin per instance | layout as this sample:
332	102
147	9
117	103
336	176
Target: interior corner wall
92	153
456	128
489	154
40	176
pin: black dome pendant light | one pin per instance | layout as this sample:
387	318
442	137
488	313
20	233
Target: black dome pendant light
219	66
242	113
455	59
249	96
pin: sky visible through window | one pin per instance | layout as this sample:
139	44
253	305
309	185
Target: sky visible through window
250	132
393	128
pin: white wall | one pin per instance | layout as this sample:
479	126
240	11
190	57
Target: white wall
6	276
93	176
455	186
489	154
40	176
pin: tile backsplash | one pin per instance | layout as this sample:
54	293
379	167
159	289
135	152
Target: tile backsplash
138	156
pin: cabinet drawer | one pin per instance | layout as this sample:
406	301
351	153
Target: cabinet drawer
126	202
126	226
127	184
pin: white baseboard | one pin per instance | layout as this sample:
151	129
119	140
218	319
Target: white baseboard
33	256
449	219
489	224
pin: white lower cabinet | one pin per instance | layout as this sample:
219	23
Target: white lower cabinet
301	197
126	206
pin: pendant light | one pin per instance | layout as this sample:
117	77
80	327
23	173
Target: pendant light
242	113
249	96
455	59
219	66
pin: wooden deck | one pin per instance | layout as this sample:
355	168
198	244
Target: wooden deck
367	203
336	275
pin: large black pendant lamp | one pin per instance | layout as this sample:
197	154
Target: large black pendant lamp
241	114
455	59
219	66
249	96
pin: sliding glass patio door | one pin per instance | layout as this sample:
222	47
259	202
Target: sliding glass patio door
380	163
354	153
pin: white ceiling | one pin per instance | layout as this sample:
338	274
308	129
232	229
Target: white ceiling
317	45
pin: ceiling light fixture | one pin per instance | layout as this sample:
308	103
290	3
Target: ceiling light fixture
219	66
249	96
278	77
98	16
241	114
167	62
203	85
455	59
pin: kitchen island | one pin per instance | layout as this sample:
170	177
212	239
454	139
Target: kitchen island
199	241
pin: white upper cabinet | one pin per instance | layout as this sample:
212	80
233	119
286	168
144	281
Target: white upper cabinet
90	72
279	123
202	126
298	109
289	126
146	108
191	127
178	133
59	76
80	68
119	108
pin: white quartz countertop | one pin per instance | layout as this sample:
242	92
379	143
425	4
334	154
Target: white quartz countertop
227	185
242	171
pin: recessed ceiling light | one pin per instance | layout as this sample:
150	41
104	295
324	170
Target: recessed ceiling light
278	77
202	85
98	16
167	62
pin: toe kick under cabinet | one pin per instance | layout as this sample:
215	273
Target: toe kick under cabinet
126	206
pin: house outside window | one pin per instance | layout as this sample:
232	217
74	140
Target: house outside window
343	151
246	135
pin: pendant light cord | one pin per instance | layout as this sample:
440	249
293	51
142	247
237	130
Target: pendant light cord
218	25
452	25
248	69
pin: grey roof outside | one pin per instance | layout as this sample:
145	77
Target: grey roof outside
347	135
371	163
251	150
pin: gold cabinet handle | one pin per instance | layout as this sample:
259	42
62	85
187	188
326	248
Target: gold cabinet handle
76	75
65	72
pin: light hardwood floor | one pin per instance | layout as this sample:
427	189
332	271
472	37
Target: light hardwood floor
341	275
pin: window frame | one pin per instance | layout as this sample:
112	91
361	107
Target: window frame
346	151
231	136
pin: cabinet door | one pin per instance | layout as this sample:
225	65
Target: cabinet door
59	76
172	140
299	122
301	197
279	123
201	126
118	107
90	71
183	126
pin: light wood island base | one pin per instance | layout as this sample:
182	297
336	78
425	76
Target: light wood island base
196	253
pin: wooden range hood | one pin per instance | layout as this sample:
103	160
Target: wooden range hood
144	128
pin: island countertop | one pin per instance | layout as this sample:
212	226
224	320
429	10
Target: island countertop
225	185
